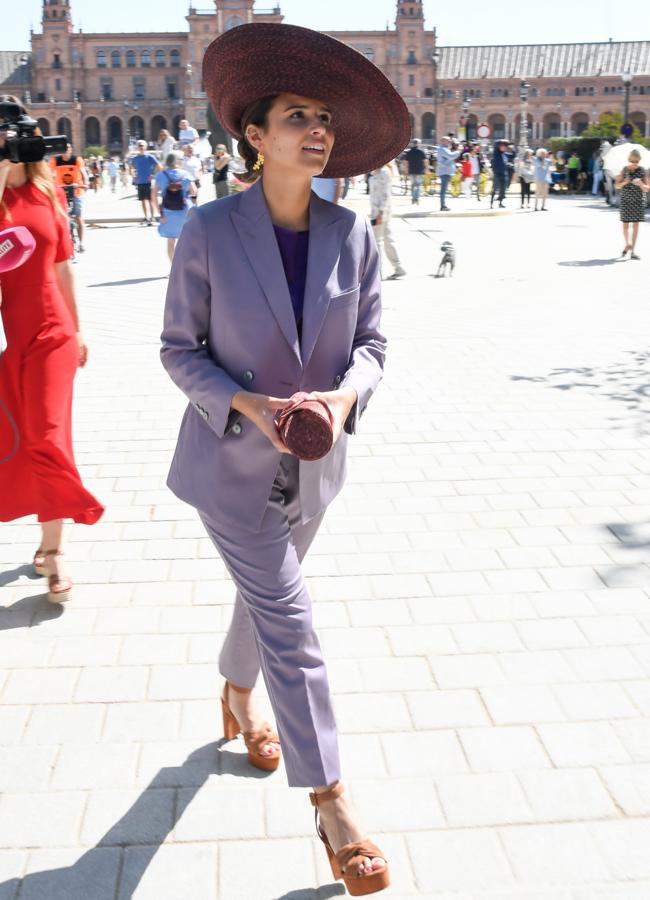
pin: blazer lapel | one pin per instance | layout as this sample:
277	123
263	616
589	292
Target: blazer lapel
255	230
325	240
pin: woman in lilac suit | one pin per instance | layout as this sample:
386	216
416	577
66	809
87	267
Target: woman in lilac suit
273	292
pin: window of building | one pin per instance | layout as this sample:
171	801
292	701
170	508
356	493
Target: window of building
411	80
160	58
107	90
145	58
411	61
101	59
116	59
428	92
369	53
130	59
139	89
57	84
56	62
233	22
175	58
40	97
171	89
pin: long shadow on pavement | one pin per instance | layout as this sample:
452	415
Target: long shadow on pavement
124	852
585	263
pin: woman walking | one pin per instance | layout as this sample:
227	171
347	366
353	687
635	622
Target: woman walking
166	144
633	184
38	474
273	292
174	188
542	167
381	189
525	169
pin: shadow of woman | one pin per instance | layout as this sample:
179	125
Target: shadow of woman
115	866
29	612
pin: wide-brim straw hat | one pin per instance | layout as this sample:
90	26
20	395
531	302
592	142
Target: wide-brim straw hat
370	119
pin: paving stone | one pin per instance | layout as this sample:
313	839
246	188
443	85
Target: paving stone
624	847
566	795
71	875
218	812
583	744
111	683
503	749
40	820
423	753
440	860
118	817
168	872
556	853
594	701
286	864
446	709
482	799
629	786
36	686
511	704
95	766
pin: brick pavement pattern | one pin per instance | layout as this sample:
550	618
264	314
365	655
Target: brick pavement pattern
481	588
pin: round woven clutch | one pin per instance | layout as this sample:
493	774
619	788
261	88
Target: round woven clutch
305	426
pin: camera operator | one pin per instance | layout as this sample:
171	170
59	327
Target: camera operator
70	174
44	349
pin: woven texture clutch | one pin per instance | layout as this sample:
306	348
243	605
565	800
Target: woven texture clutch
305	426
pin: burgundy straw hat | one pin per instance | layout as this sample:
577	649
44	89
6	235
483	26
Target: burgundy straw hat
249	62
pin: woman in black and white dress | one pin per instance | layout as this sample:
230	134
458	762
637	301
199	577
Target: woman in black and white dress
633	184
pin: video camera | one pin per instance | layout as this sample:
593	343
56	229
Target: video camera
25	146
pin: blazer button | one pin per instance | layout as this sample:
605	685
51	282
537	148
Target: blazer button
338	380
248	375
236	428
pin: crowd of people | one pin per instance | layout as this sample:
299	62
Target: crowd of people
460	167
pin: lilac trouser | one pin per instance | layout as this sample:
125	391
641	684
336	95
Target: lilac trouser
272	629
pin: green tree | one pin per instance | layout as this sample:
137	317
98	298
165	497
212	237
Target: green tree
609	126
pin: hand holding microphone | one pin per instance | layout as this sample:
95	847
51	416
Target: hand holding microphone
16	246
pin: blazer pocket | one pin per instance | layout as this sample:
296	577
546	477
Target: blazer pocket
345	297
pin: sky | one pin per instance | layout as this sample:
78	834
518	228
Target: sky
470	22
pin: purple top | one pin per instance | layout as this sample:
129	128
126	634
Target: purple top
294	248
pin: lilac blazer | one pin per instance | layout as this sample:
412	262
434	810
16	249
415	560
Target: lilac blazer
229	325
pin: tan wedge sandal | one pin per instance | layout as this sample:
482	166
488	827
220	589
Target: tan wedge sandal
39	562
60	588
254	740
351	855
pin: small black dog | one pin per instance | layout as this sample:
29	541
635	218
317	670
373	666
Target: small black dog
448	261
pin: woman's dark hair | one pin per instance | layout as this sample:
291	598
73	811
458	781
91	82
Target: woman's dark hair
256	114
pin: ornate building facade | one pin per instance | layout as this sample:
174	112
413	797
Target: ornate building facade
109	89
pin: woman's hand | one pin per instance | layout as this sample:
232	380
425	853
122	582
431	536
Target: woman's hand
340	403
261	410
83	350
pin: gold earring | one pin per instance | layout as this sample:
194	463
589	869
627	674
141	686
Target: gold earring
259	162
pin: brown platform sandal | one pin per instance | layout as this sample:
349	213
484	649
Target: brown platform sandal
39	562
254	740
60	589
357	885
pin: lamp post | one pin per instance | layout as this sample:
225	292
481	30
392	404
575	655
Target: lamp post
128	129
435	59
523	117
627	82
463	118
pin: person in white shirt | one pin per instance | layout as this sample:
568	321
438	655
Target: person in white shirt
381	188
192	166
187	134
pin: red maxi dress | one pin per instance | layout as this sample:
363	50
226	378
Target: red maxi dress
36	374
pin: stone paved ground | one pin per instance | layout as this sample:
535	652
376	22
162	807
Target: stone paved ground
481	590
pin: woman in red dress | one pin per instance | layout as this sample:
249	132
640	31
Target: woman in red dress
38	474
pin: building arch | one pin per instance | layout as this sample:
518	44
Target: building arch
157	125
64	126
44	125
175	58
92	132
428	126
529	131
131	61
116	59
160	58
175	126
145	58
136	128
497	123
579	121
552	125
114	133
100	59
